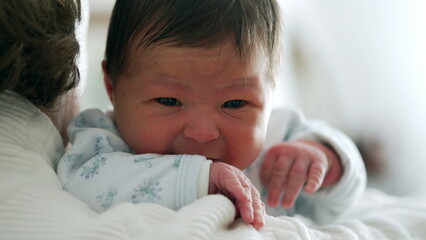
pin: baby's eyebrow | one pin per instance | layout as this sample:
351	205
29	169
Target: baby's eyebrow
243	83
162	81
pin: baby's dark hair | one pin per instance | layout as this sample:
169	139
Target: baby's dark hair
38	48
253	24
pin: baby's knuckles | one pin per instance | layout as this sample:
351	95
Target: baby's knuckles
326	157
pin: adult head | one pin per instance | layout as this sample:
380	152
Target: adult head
38	48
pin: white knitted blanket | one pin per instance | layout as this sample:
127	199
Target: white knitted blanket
378	216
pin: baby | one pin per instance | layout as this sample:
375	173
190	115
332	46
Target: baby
191	85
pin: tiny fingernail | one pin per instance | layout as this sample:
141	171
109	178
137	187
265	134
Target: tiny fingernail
309	188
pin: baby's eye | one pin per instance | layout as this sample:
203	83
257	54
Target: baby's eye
234	104
169	101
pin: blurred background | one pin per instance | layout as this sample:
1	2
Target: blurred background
359	65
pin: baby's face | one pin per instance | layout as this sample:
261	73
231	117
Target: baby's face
181	100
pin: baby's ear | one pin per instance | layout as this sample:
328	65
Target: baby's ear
108	83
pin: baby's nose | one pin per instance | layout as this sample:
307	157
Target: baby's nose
201	129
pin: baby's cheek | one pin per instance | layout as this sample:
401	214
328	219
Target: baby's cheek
246	154
256	140
138	141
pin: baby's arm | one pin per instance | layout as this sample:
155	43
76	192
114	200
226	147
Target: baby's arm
99	170
109	178
231	182
290	166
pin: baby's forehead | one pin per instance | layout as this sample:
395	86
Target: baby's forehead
252	59
254	62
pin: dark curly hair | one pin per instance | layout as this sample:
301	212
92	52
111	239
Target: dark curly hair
38	48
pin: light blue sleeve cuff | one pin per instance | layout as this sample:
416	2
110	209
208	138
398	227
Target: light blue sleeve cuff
204	179
191	167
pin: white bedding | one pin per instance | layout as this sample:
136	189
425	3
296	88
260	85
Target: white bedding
377	216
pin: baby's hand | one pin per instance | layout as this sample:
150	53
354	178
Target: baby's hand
290	165
231	182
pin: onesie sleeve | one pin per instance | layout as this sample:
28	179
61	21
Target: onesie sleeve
100	169
329	202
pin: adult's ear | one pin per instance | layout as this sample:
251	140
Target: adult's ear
108	83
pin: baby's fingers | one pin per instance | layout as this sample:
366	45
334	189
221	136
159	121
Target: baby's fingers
316	176
267	167
236	186
259	210
240	190
278	179
295	182
249	203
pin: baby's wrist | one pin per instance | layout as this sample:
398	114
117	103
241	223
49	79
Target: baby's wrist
334	172
335	169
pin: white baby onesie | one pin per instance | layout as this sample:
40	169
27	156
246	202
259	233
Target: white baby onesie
101	170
